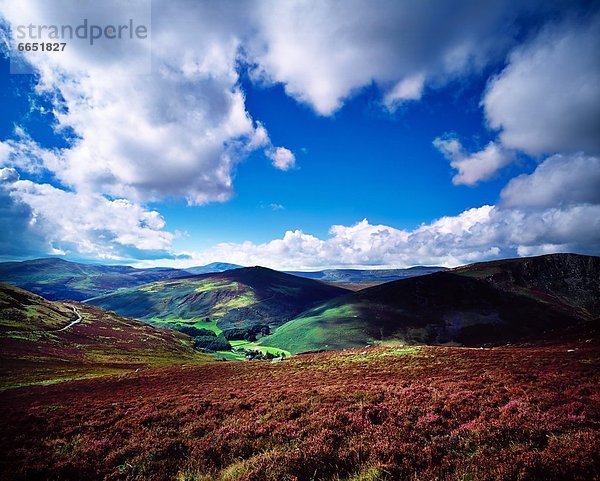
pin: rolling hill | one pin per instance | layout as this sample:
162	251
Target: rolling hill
43	341
494	302
235	298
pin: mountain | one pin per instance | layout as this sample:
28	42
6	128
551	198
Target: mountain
369	276
492	302
236	298
43	341
57	279
570	279
212	267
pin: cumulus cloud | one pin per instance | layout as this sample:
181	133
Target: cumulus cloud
483	233
475	167
42	218
559	180
177	132
324	52
8	175
410	88
547	99
554	209
181	130
136	135
283	159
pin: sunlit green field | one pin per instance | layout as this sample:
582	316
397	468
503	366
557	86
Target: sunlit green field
174	323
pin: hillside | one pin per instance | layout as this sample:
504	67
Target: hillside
43	341
494	302
570	279
235	298
379	414
57	279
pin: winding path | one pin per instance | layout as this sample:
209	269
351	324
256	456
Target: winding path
72	323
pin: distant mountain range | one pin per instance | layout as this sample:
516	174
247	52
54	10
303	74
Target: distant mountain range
358	276
235	298
212	267
57	279
492	302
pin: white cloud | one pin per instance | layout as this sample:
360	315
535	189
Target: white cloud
324	52
559	180
44	219
547	99
283	159
475	167
483	233
181	131
554	209
8	175
25	154
410	88
178	132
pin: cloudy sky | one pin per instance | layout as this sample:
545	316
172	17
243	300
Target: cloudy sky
304	133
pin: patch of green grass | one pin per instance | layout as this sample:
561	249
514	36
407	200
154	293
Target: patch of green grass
369	355
371	473
244	300
229	355
172	322
325	327
214	285
257	346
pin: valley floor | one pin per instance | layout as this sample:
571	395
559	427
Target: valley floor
386	413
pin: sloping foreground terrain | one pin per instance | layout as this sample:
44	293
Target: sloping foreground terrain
495	302
43	341
236	298
402	413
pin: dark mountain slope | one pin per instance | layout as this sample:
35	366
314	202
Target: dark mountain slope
483	303
570	279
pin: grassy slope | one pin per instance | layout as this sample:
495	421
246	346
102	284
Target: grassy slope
236	298
56	279
488	302
426	413
33	350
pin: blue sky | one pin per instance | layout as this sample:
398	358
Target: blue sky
267	133
361	163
